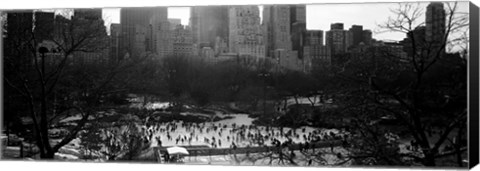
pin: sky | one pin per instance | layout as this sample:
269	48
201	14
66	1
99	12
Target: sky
319	16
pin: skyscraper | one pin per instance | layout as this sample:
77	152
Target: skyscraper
336	38
160	33
276	22
298	26
313	37
114	41
314	48
435	24
208	23
357	34
245	31
90	14
182	41
19	25
134	23
298	14
367	37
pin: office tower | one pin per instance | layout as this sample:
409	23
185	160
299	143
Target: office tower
298	26
208	23
89	14
134	23
356	32
93	18
367	37
298	14
160	37
314	49
114	42
18	26
313	37
337	38
419	37
435	24
182	41
276	22
336	26
245	31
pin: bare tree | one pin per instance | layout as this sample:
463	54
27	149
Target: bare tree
52	84
430	101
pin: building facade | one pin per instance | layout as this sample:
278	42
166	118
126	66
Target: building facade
160	36
276	22
208	23
182	41
114	42
337	39
298	25
245	32
435	25
315	50
134	22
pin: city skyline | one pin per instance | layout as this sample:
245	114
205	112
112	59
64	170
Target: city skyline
319	16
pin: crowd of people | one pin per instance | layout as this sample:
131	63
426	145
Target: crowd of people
218	135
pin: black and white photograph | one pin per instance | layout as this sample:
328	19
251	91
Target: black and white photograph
377	84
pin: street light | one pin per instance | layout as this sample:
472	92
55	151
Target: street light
42	50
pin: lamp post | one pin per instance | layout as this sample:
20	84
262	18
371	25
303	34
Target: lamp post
42	50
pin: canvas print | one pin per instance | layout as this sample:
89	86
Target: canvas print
311	85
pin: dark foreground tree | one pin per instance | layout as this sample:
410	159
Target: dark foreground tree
426	94
45	67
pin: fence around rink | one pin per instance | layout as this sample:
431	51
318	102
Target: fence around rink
207	151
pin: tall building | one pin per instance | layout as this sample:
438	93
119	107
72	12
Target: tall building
367	37
44	25
298	26
208	23
298	14
276	22
313	37
417	35
134	22
337	38
182	41
435	24
314	49
89	14
114	41
336	26
245	31
18	26
160	35
357	34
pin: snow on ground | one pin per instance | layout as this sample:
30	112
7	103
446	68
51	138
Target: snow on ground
157	105
62	156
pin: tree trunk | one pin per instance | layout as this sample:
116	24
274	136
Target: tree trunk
429	159
49	155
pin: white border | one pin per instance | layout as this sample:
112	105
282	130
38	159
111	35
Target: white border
69	166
